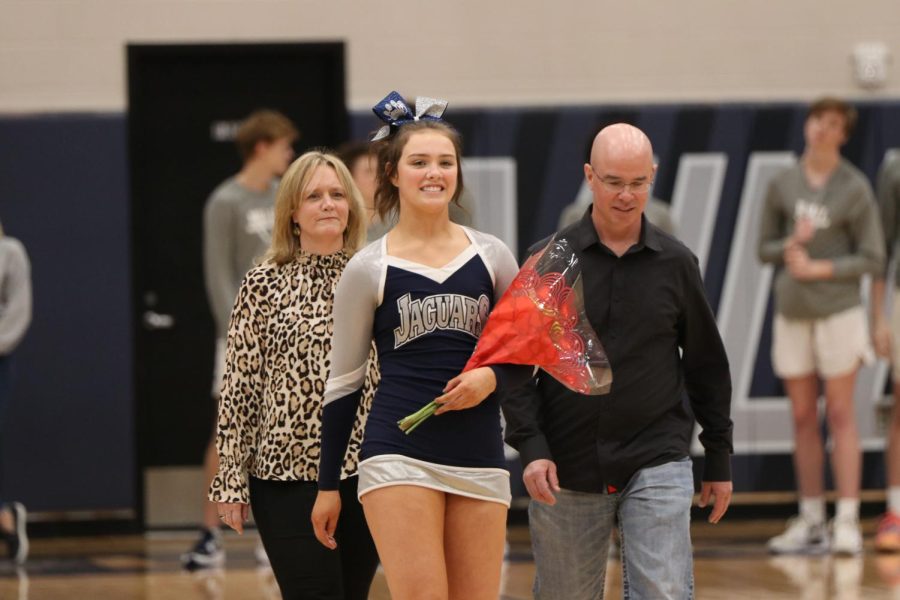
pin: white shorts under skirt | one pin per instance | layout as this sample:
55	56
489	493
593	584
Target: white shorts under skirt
488	484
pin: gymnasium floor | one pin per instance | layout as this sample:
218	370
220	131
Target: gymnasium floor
730	563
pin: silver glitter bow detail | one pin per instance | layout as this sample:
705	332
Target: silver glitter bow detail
394	111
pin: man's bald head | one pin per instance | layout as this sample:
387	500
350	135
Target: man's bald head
620	141
620	175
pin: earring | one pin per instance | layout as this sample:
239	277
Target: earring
296	230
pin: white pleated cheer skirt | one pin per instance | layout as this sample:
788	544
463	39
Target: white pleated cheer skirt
488	484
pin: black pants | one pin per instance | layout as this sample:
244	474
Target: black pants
304	568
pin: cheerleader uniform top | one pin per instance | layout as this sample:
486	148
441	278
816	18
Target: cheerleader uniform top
425	322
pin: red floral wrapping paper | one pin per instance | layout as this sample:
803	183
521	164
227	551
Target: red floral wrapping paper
540	320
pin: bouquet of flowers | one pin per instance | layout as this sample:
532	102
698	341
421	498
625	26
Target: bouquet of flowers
541	321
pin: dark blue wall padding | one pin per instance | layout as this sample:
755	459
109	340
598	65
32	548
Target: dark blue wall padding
70	435
68	443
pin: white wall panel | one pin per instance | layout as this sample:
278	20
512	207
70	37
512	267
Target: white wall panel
69	54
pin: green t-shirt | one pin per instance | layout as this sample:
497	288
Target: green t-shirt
847	232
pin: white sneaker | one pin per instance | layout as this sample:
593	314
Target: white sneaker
846	537
800	537
17	539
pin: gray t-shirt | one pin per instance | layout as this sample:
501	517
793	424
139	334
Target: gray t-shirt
847	232
15	294
888	190
237	231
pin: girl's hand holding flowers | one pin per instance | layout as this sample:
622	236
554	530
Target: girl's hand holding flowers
466	390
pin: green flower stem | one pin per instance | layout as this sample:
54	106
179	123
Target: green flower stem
410	422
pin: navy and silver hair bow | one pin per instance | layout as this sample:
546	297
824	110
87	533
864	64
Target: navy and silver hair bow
394	111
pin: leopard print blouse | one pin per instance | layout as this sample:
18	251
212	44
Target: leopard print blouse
277	362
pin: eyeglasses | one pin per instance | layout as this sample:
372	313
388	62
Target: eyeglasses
617	186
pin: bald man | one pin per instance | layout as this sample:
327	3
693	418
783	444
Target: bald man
589	459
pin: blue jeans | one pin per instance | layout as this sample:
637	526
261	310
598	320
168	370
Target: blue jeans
570	540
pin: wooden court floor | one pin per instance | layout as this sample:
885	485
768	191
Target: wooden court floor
730	563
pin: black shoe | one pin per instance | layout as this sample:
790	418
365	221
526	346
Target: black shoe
207	553
17	540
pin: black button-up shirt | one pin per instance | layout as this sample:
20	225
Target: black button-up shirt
668	364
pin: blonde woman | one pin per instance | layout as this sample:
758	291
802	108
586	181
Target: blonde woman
279	340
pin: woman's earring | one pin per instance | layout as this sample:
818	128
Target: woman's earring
296	230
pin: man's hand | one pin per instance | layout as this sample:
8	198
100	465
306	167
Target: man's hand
467	390
541	481
325	514
720	492
233	514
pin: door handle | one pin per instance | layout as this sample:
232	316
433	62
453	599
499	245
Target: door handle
154	320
